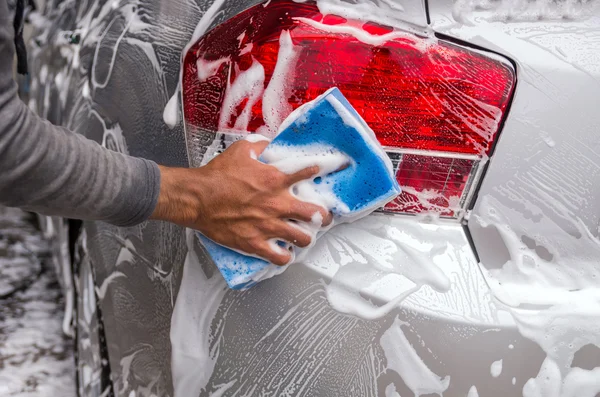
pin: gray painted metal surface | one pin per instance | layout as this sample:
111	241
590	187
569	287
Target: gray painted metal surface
172	327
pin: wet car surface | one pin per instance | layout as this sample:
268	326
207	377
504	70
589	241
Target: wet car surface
499	301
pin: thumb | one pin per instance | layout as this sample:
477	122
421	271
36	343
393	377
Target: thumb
258	143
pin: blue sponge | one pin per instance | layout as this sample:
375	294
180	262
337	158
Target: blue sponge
321	132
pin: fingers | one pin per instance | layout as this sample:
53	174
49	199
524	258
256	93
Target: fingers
270	251
307	212
259	147
307	173
286	231
335	162
343	166
314	171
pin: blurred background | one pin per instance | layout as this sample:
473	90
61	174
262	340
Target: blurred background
36	358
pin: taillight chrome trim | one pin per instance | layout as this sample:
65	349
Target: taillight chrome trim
432	153
396	155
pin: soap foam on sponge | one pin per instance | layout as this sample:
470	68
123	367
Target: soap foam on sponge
355	178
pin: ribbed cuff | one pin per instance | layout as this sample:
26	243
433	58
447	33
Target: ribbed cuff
145	199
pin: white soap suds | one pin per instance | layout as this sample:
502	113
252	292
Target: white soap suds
275	99
171	112
276	248
85	92
220	392
547	139
59	79
385	12
254	138
372	257
204	24
317	219
473	392
402	358
103	288
113	137
290	160
32	104
111	64
496	368
526	277
521	10
514	381
364	36
267	272
38	20
248	86
193	359
547	383
207	69
390	391
430	200
582	383
43	74
555	303
148	50
344	293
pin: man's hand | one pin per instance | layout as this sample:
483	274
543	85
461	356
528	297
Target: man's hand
239	202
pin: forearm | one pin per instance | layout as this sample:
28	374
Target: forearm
50	170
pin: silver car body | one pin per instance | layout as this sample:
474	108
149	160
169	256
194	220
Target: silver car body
506	303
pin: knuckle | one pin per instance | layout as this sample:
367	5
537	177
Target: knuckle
276	260
304	240
271	177
285	207
238	145
275	206
269	256
281	260
302	209
276	177
268	227
256	245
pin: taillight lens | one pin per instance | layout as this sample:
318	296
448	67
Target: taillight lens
436	107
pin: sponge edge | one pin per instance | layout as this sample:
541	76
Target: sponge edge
329	133
240	270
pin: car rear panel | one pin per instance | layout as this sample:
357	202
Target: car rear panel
330	327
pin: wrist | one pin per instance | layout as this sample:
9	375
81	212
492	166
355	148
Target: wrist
161	210
178	200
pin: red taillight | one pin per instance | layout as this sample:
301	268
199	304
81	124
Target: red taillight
434	105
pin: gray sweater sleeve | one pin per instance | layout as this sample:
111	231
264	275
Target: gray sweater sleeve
53	171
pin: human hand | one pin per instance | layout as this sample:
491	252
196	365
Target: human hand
240	202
